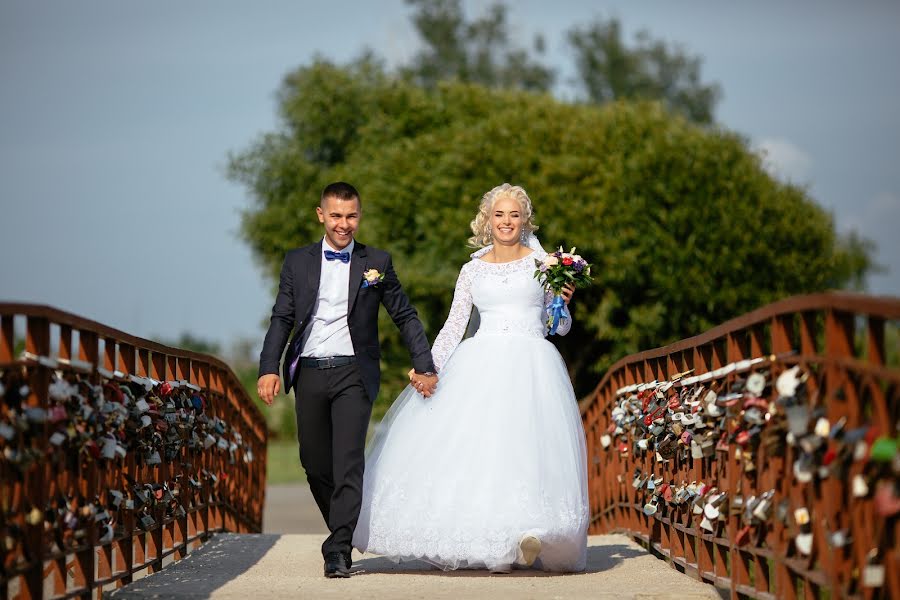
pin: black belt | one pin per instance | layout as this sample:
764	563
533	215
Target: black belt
327	362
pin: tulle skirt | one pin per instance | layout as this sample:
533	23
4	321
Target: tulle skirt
498	452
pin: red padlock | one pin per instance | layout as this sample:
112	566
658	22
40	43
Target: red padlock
648	420
886	501
743	536
113	393
92	448
57	413
666	491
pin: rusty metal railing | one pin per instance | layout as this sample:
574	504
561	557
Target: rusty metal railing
816	427
118	454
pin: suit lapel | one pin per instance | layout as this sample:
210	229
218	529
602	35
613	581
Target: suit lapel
308	294
314	270
357	268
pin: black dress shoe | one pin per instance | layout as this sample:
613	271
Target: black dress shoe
336	565
348	560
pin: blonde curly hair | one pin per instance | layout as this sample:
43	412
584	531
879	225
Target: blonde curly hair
481	224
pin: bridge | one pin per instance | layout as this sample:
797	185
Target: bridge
756	460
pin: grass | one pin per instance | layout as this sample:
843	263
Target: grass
284	463
284	460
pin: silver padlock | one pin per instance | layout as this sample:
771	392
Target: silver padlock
108	451
147	521
154	458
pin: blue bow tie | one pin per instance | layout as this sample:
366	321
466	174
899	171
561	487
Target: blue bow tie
344	257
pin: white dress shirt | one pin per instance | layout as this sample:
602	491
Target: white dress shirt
328	333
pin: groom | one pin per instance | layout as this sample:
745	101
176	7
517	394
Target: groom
329	294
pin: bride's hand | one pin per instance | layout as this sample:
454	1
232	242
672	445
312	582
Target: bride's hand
567	293
423	384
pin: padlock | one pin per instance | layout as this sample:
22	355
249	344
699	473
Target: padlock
147	521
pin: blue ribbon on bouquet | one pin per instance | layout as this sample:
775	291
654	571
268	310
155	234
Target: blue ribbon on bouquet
556	311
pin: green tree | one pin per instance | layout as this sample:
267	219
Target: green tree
478	51
194	343
683	223
892	345
651	70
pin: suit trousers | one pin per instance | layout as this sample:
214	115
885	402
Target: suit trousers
333	413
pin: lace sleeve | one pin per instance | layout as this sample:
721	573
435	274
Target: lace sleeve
565	323
455	326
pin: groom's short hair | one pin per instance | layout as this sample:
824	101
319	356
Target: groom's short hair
340	190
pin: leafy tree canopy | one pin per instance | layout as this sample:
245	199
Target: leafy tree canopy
481	51
651	70
685	227
477	51
194	343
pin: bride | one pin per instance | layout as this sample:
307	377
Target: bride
490	470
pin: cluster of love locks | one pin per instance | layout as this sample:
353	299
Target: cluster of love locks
740	407
127	420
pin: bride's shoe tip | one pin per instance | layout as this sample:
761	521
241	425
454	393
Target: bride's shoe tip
501	570
530	547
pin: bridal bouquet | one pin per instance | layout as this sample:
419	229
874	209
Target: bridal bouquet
556	271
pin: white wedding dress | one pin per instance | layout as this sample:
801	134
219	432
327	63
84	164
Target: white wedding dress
496	453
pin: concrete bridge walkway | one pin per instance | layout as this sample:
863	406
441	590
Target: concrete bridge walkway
285	562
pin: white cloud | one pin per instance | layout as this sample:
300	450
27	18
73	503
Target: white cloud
784	160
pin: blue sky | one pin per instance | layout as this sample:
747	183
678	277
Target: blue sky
116	119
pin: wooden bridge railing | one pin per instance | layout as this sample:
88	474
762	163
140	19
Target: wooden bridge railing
806	456
117	453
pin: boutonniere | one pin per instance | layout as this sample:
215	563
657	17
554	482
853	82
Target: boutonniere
371	278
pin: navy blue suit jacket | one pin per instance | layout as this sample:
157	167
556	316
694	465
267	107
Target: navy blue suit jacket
298	290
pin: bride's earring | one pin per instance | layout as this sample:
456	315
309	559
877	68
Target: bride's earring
524	236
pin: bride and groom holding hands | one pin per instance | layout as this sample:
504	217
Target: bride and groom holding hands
480	462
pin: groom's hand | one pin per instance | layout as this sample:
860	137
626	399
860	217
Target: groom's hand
267	386
424	384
